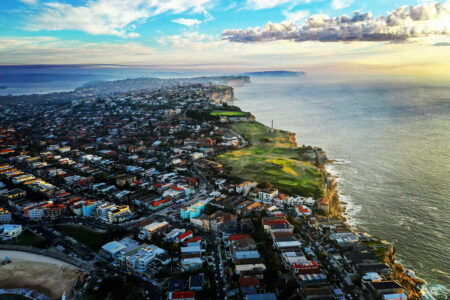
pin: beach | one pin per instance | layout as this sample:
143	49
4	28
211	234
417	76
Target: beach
43	274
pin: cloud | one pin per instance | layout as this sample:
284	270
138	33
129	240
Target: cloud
51	50
399	25
187	22
442	44
108	17
295	16
340	4
29	2
266	4
195	51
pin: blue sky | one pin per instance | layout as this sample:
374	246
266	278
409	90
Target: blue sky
196	33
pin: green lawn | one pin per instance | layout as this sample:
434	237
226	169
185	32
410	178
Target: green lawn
29	238
273	157
90	238
228	113
378	247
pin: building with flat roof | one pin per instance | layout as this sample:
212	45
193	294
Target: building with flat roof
111	249
9	231
5	215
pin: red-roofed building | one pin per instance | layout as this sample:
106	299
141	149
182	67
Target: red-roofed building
157	185
55	211
303	211
193	240
250	281
236	237
184	236
193	180
309	268
187	295
159	203
6	151
275	222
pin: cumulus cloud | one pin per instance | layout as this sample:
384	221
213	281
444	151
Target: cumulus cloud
266	4
187	22
108	17
399	25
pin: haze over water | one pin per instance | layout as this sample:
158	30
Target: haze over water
392	146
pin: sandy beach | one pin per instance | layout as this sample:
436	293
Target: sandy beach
44	274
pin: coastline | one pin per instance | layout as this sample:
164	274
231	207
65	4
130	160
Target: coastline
402	275
415	287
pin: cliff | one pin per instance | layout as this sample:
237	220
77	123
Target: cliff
405	279
220	93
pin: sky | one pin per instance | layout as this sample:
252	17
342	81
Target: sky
382	37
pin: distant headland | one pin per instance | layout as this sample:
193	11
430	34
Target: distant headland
274	74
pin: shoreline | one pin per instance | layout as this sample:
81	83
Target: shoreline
415	287
405	276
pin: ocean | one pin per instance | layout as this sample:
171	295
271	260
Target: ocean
390	142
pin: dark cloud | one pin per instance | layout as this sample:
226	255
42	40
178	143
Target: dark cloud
399	25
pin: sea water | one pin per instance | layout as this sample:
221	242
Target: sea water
390	142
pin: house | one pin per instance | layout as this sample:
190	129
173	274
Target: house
303	211
124	179
5	215
191	263
9	231
325	292
148	231
186	295
157	204
111	249
196	282
266	296
195	241
176	285
194	210
245	187
250	281
184	236
267	196
171	236
89	206
378	289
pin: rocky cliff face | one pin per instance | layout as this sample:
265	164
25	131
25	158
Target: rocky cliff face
401	275
221	94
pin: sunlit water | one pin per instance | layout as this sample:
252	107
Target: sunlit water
391	143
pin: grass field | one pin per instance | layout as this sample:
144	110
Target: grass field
28	238
227	113
92	239
272	157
